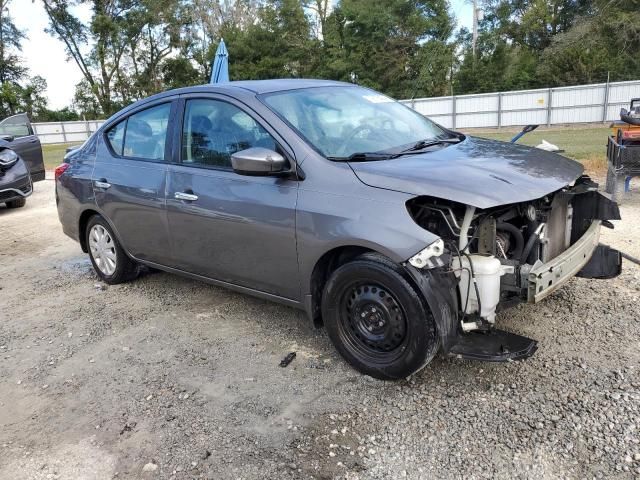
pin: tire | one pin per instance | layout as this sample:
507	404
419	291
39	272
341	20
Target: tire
17	203
109	260
377	320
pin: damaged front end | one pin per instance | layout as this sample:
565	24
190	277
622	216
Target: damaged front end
498	257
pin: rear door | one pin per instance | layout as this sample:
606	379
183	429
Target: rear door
129	179
226	226
17	130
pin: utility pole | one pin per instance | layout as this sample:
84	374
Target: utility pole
475	29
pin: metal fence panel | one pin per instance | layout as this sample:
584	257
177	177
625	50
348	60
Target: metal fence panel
473	120
525	100
66	132
522	117
600	102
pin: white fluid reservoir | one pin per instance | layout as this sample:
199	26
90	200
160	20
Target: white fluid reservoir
487	270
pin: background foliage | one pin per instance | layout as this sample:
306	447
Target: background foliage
406	48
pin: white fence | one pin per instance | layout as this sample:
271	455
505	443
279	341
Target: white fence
63	132
599	102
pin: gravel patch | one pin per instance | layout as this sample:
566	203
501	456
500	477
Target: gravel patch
170	378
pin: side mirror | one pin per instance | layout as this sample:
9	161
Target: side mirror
258	161
7	138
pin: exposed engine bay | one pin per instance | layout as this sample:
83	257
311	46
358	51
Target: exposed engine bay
517	252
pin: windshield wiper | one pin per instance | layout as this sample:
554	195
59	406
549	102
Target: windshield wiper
422	144
362	157
371	156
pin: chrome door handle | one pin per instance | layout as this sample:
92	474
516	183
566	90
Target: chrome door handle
101	184
189	197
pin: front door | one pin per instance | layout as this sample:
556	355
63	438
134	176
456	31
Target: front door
227	226
129	180
17	130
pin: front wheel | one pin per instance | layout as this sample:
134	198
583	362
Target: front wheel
377	320
109	260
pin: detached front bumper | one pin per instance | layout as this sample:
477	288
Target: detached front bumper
546	278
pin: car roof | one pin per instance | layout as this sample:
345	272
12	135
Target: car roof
278	85
257	87
266	86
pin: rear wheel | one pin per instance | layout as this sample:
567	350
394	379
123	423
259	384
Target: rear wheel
17	203
377	320
109	260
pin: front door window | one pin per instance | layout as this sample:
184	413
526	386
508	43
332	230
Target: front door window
16	126
213	130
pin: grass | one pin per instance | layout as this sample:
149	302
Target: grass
587	145
53	154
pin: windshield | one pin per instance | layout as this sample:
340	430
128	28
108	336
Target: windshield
342	121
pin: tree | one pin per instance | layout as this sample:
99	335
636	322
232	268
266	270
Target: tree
513	40
180	72
208	23
120	52
401	47
10	44
18	91
161	23
600	46
98	65
131	49
321	10
279	43
65	114
85	103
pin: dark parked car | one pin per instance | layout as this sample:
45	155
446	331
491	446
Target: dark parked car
21	161
401	237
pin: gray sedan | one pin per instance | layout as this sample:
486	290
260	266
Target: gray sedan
401	237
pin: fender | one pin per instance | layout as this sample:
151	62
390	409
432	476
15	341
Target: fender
439	288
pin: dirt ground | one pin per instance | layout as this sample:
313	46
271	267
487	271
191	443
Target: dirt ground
170	378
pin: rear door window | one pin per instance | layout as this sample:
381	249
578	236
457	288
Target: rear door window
115	135
146	133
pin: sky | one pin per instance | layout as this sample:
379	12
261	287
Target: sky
45	55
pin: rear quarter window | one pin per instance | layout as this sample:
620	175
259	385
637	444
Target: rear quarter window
115	136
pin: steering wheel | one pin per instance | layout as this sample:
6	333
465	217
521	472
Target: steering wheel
351	135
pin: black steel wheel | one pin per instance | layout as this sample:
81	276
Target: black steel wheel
377	320
372	320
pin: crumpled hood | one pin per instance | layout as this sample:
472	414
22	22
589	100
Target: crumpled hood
478	172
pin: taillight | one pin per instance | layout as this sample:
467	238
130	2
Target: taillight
60	169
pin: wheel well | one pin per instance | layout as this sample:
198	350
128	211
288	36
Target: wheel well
82	226
323	269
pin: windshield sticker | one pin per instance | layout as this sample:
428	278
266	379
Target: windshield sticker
377	99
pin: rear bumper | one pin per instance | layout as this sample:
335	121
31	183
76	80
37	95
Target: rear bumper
546	278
